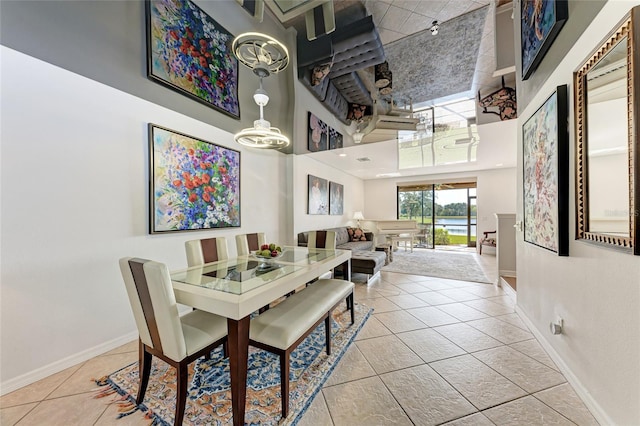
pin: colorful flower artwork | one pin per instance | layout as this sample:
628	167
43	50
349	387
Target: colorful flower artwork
191	53
194	184
545	173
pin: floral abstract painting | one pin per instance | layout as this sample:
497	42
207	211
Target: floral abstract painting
318	195
318	134
545	174
190	52
541	21
194	184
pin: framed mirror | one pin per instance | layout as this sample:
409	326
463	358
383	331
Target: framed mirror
607	89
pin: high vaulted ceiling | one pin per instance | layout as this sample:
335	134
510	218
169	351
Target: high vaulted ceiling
427	70
427	67
396	19
459	59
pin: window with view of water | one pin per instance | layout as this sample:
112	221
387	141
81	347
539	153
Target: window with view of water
447	134
446	213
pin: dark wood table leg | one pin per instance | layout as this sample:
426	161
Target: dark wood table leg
238	342
346	268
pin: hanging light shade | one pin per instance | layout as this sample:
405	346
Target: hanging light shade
262	53
261	135
265	56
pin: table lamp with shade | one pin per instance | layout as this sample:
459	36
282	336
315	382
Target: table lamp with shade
358	217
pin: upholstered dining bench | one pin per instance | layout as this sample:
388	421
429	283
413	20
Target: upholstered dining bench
283	327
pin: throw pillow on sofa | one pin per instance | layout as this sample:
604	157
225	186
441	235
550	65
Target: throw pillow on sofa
356	234
319	73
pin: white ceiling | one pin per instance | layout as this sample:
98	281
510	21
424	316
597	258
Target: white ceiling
497	149
396	19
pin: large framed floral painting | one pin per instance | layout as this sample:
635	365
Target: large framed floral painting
318	195
194	184
318	134
545	153
540	23
191	53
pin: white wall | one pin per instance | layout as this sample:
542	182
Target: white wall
75	199
112	35
596	290
300	166
496	193
304	165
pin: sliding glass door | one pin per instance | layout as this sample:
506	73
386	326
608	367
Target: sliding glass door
473	218
445	213
416	203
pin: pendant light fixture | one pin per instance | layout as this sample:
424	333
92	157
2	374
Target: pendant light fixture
265	56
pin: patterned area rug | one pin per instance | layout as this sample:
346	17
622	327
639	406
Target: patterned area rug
209	394
434	263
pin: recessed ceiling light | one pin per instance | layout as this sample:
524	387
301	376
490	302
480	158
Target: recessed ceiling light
342	155
395	174
499	165
363	159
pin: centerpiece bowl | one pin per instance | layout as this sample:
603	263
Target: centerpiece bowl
268	251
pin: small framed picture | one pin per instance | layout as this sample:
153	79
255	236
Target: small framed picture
318	195
318	134
336	198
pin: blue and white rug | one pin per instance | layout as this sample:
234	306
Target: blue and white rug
209	394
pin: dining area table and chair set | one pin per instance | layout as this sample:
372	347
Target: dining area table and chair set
269	303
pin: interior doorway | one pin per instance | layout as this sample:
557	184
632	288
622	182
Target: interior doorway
446	214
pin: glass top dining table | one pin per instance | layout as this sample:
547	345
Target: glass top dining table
236	287
246	273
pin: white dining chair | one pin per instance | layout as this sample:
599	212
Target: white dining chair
206	250
163	332
246	243
322	240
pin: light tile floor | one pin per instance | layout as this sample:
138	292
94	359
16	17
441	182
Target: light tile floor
435	351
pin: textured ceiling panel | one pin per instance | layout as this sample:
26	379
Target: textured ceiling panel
427	67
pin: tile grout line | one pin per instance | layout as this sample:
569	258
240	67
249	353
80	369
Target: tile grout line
503	344
438	373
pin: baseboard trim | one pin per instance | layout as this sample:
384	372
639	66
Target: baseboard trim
506	273
593	406
56	367
507	288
